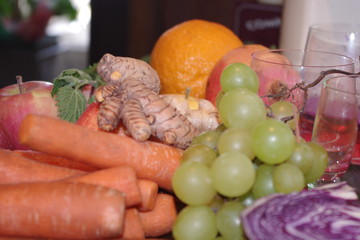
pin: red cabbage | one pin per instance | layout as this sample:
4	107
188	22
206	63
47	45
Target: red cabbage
328	212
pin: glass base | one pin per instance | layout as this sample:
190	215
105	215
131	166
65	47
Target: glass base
325	179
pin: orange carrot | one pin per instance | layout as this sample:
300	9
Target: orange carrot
16	169
148	192
122	178
55	160
160	220
151	160
65	210
133	228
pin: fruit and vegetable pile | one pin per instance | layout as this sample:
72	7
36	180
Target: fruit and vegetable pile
127	155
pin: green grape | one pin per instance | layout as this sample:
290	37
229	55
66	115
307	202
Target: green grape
288	178
209	138
221	128
247	199
232	174
264	183
228	220
235	139
199	153
237	75
216	203
241	107
192	184
302	157
284	109
272	141
320	163
195	223
219	95
257	162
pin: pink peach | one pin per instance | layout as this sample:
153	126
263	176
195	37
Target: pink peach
241	54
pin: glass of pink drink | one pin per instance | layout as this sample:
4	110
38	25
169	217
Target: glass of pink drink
336	124
342	38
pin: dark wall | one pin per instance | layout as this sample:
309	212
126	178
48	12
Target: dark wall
109	28
131	27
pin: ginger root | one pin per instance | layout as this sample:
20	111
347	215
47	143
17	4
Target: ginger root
131	94
200	112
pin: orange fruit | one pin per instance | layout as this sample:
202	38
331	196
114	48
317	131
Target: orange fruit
185	54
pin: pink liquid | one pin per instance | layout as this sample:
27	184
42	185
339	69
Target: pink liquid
306	123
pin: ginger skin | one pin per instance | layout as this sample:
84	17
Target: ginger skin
131	94
200	112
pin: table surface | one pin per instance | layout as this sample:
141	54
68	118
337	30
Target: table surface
352	177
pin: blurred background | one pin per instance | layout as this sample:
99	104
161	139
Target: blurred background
41	38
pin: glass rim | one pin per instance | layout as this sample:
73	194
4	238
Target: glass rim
352	60
325	83
341	27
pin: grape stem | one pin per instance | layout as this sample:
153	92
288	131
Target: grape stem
289	92
304	87
296	119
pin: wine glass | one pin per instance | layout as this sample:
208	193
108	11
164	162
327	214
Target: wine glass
335	126
342	38
280	70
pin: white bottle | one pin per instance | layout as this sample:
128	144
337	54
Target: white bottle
298	15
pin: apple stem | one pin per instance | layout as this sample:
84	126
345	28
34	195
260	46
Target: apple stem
20	83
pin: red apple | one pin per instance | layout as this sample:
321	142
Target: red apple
241	54
35	98
89	120
88	91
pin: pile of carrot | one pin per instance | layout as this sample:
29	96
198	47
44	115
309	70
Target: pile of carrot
77	183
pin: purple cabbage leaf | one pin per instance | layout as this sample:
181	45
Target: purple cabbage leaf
328	212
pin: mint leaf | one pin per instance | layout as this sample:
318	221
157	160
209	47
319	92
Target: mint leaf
67	91
71	103
91	70
73	78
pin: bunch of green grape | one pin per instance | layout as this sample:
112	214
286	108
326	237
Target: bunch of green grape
252	154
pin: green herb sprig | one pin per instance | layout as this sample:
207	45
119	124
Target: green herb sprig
67	91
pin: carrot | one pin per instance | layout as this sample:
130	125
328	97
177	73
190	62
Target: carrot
122	178
55	160
65	210
160	220
18	238
16	169
151	160
133	228
148	192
